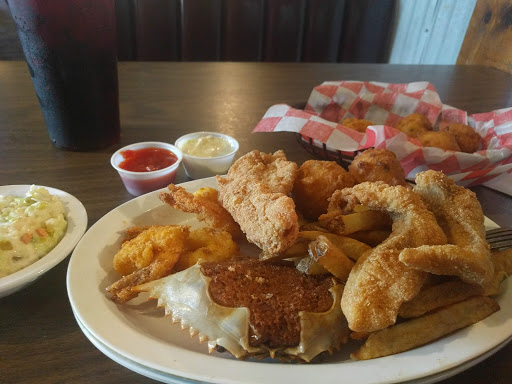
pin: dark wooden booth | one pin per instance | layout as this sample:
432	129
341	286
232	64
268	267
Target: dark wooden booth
243	30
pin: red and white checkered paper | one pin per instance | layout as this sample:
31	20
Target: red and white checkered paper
385	104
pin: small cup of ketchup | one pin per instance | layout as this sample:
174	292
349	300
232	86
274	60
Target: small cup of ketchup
147	166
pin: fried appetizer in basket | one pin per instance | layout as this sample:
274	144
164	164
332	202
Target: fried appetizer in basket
439	139
255	309
460	215
150	255
465	136
255	192
379	283
377	165
358	125
315	183
205	204
414	125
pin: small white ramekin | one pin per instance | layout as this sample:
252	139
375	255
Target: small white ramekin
200	167
139	183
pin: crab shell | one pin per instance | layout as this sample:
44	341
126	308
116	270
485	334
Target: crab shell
185	297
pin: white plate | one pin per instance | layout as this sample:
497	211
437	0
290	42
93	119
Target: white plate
139	333
76	216
166	378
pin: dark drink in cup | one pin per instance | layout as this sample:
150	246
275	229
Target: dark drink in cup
70	49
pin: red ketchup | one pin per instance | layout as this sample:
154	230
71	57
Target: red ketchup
147	159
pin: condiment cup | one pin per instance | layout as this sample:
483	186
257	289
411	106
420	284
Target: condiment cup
198	167
139	183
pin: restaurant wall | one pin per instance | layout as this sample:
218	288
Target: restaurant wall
429	32
425	32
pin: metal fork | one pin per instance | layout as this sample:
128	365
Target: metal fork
499	238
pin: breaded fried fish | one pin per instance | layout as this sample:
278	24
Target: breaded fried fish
460	215
378	283
256	192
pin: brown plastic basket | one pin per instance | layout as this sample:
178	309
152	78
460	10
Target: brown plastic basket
322	152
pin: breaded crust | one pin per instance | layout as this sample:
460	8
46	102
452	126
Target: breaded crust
255	192
378	284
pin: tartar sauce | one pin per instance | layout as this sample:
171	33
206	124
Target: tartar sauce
206	146
30	227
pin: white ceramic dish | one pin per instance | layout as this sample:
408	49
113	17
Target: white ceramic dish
138	331
200	167
77	224
139	183
166	378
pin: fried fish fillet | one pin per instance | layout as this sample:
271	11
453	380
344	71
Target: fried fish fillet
256	192
205	204
460	215
379	283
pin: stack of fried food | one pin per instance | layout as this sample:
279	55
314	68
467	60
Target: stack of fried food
413	260
452	137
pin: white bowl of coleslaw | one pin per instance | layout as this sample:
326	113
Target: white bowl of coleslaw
39	227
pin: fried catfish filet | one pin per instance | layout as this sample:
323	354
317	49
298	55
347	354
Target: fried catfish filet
256	193
460	215
379	283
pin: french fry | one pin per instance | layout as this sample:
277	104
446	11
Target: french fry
350	247
422	330
313	226
300	248
359	335
502	262
354	222
360	208
372	238
330	257
310	267
438	296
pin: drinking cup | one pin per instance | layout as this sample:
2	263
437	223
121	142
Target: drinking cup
70	50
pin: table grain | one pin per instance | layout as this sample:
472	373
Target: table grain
40	341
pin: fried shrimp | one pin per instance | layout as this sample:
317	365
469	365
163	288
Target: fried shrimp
460	215
206	244
149	256
378	284
205	204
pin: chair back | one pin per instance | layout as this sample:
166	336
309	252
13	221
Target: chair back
255	30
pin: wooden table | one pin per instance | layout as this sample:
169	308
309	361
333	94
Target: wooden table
40	341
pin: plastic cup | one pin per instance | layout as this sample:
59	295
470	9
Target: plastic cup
200	167
71	51
139	183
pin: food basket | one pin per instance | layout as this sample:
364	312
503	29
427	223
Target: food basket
322	152
319	130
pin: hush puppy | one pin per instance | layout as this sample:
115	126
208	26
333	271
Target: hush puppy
359	125
414	125
315	183
377	165
439	139
465	136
